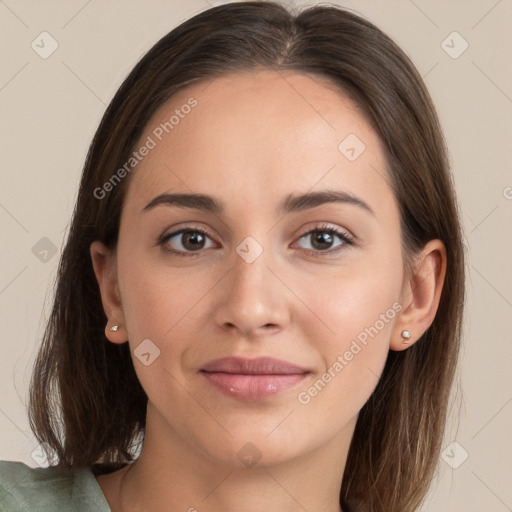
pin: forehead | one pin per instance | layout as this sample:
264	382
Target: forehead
256	135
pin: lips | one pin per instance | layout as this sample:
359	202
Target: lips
252	379
259	366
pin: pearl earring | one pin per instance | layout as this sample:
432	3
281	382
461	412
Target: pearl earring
406	335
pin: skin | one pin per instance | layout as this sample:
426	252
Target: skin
252	139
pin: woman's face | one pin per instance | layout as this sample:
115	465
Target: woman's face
259	271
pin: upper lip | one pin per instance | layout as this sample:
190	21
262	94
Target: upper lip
257	366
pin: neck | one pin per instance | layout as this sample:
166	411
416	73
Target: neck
172	475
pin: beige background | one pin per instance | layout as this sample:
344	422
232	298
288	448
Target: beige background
50	108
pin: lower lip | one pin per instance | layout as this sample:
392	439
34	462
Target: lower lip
252	387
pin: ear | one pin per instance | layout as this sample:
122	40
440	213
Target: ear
104	262
421	293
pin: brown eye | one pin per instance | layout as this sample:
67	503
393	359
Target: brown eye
185	241
324	239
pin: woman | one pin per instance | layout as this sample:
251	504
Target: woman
260	301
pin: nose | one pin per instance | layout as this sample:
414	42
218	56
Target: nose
253	301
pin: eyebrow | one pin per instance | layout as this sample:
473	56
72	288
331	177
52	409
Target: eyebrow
291	203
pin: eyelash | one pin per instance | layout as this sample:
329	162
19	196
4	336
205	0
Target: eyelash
344	237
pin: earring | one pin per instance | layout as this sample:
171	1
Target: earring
114	328
406	335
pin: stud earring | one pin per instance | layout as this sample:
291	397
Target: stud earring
114	328
406	335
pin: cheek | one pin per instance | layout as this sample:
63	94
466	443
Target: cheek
352	363
163	304
353	297
155	301
356	311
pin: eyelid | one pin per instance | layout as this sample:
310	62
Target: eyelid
167	235
345	236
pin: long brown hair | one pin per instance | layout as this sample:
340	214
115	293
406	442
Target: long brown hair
85	399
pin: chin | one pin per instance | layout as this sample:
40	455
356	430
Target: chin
253	448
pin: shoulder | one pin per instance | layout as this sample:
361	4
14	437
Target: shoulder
23	488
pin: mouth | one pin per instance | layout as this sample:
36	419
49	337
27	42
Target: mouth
252	379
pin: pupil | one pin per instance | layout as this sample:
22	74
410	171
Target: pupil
193	237
323	238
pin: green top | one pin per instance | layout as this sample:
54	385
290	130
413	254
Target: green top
23	488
